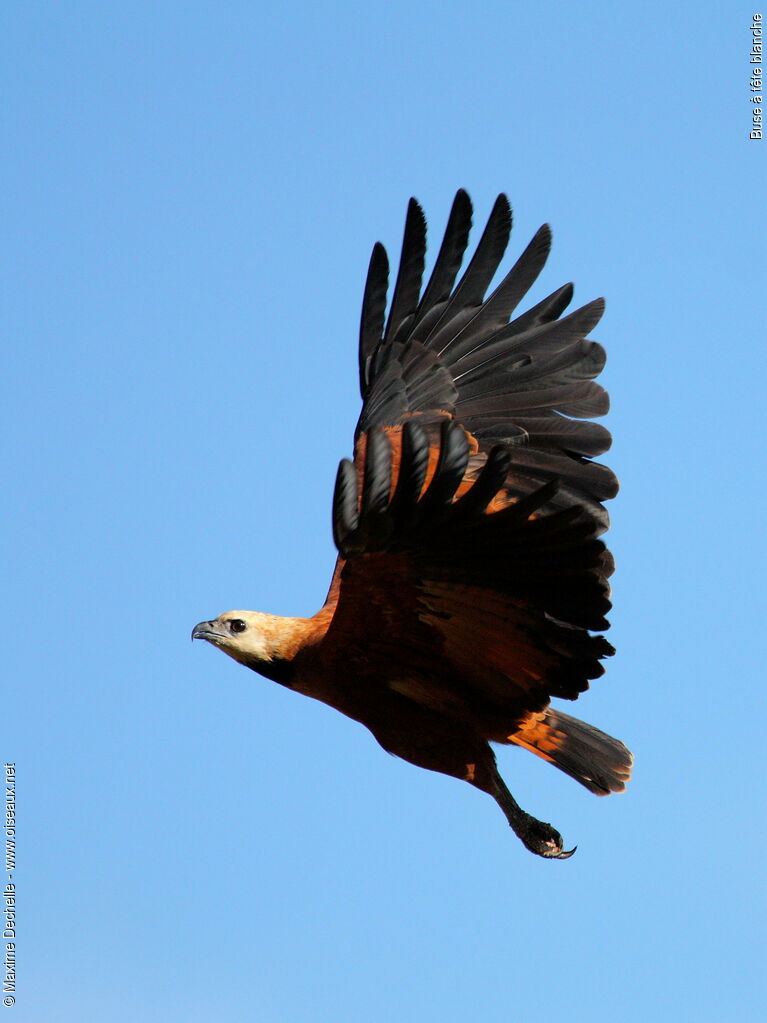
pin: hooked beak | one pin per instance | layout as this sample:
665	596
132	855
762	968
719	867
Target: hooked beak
206	630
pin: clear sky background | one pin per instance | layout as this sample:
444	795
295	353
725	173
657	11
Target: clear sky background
190	195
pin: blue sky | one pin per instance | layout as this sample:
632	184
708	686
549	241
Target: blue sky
191	192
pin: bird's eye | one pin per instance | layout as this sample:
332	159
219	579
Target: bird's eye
237	625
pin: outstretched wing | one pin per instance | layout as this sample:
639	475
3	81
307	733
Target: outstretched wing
470	575
526	381
453	591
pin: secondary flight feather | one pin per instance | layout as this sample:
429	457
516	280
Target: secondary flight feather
471	584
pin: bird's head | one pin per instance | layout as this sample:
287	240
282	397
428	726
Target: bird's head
263	642
247	636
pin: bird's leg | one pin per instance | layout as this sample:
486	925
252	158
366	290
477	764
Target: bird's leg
535	835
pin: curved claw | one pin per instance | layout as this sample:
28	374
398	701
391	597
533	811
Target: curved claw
565	855
544	840
537	836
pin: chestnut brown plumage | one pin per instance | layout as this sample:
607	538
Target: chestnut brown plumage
470	577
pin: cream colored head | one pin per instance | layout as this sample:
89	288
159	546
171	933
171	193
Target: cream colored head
249	637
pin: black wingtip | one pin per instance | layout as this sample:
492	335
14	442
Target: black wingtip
373	316
462	205
415	209
544	237
560	301
407	288
598	306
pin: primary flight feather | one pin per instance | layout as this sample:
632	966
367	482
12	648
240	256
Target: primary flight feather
471	583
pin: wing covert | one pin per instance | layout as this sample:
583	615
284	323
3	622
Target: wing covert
501	594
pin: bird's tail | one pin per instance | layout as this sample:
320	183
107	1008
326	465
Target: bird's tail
593	758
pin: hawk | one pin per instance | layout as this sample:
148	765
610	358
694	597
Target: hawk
471	584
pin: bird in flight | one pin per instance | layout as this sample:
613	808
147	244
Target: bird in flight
471	585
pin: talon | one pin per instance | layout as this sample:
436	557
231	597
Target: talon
544	840
565	855
537	836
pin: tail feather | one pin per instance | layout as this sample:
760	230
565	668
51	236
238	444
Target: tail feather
596	760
